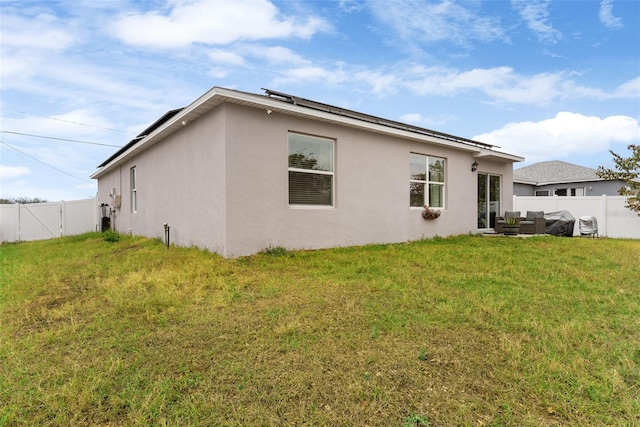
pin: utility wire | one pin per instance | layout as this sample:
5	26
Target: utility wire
46	164
60	139
76	123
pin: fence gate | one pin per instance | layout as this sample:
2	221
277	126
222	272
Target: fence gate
39	221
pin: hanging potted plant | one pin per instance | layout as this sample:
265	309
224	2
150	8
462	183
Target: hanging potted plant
511	226
430	213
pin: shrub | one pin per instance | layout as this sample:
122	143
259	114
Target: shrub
275	250
111	236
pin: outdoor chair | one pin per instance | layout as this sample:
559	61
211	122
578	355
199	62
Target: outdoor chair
499	224
588	226
533	223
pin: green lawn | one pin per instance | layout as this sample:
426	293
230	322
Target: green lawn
470	330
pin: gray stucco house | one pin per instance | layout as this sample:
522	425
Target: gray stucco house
237	172
557	178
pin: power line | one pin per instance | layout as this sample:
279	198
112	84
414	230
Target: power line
60	139
77	123
46	164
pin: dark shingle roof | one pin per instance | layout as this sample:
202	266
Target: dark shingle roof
554	171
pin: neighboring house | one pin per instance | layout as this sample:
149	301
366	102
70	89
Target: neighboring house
236	172
557	178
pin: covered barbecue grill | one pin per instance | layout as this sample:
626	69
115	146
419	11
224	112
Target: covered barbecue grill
559	223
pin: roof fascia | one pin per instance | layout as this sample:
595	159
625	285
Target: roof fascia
573	181
276	105
218	95
179	120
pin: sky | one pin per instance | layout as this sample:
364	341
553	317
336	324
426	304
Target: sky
542	79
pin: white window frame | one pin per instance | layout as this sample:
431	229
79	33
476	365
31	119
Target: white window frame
427	182
134	189
315	172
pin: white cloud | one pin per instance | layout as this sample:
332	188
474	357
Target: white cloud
630	89
350	5
420	120
536	16
313	73
447	81
564	135
420	21
376	82
27	43
40	32
212	22
10	172
379	83
226	57
606	15
501	84
504	86
276	54
219	72
73	124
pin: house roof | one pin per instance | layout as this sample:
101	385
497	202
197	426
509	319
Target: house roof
155	125
554	172
281	103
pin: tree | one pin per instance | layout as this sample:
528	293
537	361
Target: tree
627	169
22	200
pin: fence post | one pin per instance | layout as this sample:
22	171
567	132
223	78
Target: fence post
19	221
62	227
602	230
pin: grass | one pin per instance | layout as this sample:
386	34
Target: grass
459	331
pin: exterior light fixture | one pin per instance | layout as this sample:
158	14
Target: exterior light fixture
474	166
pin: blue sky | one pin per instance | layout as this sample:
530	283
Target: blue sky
547	80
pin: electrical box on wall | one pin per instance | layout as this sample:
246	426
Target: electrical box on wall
118	200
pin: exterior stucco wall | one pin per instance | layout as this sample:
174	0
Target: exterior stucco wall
221	183
371	187
180	182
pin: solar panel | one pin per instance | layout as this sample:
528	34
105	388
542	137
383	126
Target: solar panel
308	103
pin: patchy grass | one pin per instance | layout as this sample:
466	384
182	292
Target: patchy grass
460	331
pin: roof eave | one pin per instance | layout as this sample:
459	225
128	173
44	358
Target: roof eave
218	95
571	181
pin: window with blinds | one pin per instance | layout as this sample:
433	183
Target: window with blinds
426	181
311	171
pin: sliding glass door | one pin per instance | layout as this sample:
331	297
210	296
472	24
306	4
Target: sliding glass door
488	200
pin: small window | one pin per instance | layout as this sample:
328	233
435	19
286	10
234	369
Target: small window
134	191
426	181
542	193
311	170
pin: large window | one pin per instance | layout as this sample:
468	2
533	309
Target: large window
427	181
310	170
134	191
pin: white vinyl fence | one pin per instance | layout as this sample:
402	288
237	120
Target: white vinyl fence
39	221
614	219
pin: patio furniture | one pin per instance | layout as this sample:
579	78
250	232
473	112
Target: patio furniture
532	223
